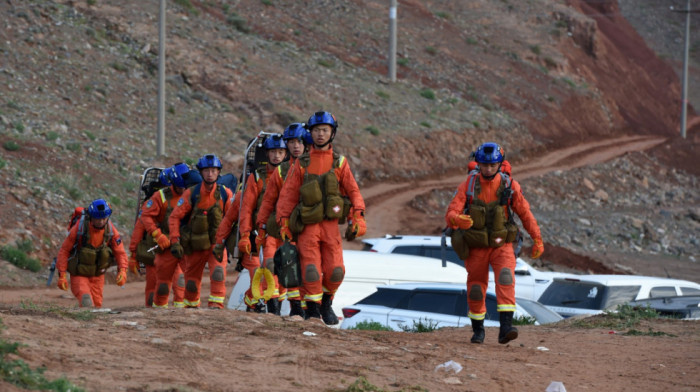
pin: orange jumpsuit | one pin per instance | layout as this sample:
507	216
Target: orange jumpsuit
272	192
253	190
167	269
195	262
502	259
90	288
224	231
320	245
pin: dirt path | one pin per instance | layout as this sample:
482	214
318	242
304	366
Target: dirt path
386	203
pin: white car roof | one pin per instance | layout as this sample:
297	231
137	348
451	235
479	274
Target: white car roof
398	267
409	239
626	280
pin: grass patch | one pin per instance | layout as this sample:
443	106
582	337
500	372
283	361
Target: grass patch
370	326
535	49
425	124
382	94
326	63
373	130
90	135
267	2
80	314
18	256
73	147
623	317
431	50
524	320
403	62
19	127
422	325
442	14
238	22
118	66
427	93
14	105
3	163
51	136
187	6
650	332
10	145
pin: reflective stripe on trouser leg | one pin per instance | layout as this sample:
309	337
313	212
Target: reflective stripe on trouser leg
503	263
293	293
477	265
194	263
166	265
217	277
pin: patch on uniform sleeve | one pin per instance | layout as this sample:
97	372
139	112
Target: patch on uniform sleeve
118	240
149	203
181	202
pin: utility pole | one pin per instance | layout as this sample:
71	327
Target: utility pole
160	137
392	41
684	98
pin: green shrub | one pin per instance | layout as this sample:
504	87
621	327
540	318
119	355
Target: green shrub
425	124
422	326
3	163
19	127
238	22
267	2
427	93
524	320
14	105
91	2
20	258
325	63
373	130
403	62
442	14
74	147
10	145
431	50
535	49
187	5
370	326
90	135
51	136
382	94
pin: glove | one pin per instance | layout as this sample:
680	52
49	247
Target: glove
62	281
462	221
537	248
121	277
359	226
177	250
218	252
349	232
285	233
244	243
134	266
260	239
161	239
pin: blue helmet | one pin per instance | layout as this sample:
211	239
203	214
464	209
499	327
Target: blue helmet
165	175
489	153
99	209
322	118
274	141
307	137
180	172
294	131
209	160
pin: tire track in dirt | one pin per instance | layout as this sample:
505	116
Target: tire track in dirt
387	204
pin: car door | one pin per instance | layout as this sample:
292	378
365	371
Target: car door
430	307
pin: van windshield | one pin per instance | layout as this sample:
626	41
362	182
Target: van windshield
586	295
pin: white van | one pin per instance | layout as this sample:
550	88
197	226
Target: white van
364	271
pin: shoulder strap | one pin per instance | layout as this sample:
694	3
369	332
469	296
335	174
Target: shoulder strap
472	178
194	195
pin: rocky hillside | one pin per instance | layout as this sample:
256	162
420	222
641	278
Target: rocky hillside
78	81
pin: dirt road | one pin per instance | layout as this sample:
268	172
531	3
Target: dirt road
387	203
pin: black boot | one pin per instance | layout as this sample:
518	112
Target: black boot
327	312
507	332
295	308
257	308
479	333
313	310
273	306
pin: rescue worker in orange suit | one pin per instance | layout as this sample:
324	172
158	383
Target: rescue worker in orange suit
319	243
481	213
202	208
167	270
256	184
226	229
91	246
293	136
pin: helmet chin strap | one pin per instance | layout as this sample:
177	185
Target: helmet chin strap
328	142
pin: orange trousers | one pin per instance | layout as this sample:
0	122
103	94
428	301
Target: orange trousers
168	271
178	285
502	260
321	252
88	290
194	270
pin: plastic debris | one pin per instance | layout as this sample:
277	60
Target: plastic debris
555	386
542	348
307	333
449	366
129	323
